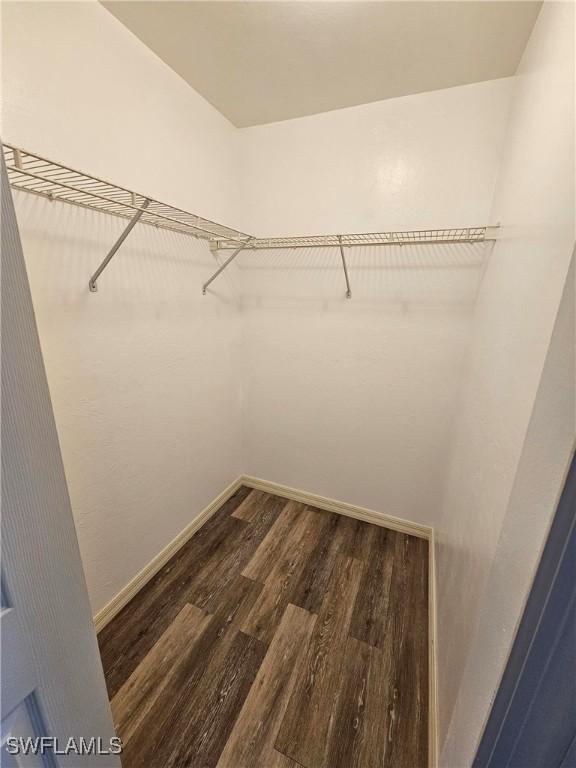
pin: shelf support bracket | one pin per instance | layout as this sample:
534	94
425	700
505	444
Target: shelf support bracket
92	282
229	260
344	266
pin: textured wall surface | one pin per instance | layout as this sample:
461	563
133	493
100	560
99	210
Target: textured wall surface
143	374
428	160
353	399
357	397
79	88
550	441
515	315
41	565
143	377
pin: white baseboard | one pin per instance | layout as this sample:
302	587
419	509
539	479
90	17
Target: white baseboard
118	602
106	614
432	668
340	507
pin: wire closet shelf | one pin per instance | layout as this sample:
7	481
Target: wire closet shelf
32	173
412	237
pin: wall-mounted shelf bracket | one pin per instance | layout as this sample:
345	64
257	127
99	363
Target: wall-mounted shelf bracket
228	261
136	218
344	266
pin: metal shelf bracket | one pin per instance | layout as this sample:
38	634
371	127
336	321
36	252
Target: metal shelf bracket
228	261
108	258
348	291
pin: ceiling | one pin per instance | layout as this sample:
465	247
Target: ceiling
260	62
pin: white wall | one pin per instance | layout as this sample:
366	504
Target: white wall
354	399
144	374
143	377
494	514
57	653
427	160
535	492
78	87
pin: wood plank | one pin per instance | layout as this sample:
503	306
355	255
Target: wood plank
407	643
131	634
393	732
267	554
311	585
234	554
253	505
210	649
370	610
350	726
359	736
214	642
216	639
251	743
272	601
420	629
134	700
305	731
360	537
278	760
207	714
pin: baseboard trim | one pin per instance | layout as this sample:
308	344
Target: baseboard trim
340	507
111	609
432	658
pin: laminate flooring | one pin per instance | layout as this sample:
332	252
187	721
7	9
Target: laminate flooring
278	636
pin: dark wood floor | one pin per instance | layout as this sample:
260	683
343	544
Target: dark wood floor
279	636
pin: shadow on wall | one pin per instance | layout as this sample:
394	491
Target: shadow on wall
143	377
429	278
153	266
356	397
72	241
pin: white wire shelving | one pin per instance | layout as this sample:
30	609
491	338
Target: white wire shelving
412	237
29	172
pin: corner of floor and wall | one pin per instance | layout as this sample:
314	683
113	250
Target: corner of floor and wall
440	397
